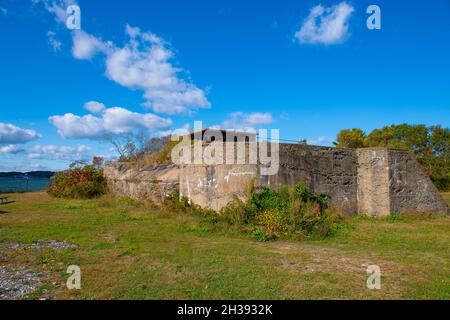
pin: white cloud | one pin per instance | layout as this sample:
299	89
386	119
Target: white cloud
320	141
52	152
85	45
257	118
57	7
11	134
111	121
326	25
176	132
54	43
71	126
144	64
4	11
49	152
247	121
94	106
11	149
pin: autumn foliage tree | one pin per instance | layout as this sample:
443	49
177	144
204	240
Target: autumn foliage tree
351	138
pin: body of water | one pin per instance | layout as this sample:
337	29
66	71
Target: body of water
8	184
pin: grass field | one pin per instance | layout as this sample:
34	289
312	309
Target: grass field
128	251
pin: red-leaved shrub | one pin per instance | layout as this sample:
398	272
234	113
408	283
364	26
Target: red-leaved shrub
80	181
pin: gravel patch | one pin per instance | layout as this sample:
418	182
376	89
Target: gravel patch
41	244
17	283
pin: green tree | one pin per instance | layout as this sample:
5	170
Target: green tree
438	163
351	138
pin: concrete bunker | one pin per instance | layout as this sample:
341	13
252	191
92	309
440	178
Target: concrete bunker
369	181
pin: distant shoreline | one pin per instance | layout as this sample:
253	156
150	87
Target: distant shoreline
30	174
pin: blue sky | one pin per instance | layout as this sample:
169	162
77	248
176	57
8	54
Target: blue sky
270	64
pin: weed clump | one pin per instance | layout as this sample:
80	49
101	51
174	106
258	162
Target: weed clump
268	214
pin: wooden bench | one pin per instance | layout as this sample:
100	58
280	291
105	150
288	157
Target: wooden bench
3	200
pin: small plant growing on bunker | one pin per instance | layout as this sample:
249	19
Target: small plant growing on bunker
141	149
268	214
80	181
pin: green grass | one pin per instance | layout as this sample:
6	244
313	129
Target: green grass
446	196
130	251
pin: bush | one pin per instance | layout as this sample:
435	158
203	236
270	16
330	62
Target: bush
289	212
271	221
79	182
292	211
442	183
260	235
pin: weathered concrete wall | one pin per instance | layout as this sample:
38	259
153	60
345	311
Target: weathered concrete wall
410	189
327	171
373	182
215	186
143	183
393	182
